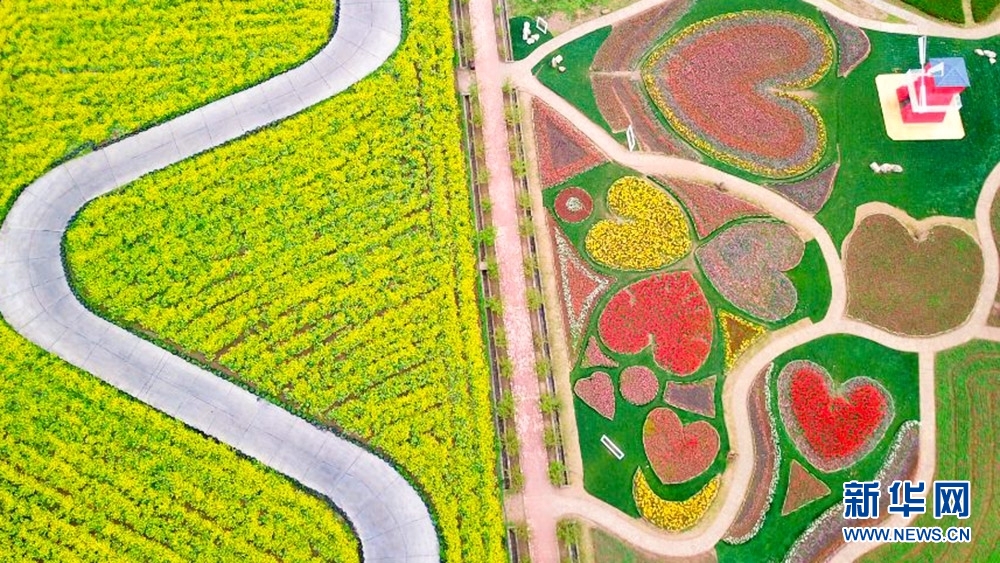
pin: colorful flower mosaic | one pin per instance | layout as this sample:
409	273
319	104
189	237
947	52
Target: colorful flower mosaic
725	84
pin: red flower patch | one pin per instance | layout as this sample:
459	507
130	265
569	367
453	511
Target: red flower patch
667	311
573	205
563	151
833	431
678	453
639	385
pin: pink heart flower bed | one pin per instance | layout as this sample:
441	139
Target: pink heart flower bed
832	429
666	311
676	452
726	85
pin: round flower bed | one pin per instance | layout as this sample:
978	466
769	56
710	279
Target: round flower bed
639	385
573	205
726	85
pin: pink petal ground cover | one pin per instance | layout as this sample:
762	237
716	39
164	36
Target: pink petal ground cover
725	85
708	206
598	393
639	385
579	285
853	45
821	540
622	103
676	452
563	151
810	194
697	397
595	357
747	263
630	39
666	311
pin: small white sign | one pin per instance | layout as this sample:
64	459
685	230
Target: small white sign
612	447
541	25
630	137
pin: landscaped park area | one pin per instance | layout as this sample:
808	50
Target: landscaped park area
594	281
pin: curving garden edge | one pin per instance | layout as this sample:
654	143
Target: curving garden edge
391	520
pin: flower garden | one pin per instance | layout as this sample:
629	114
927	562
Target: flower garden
660	332
721	88
941	177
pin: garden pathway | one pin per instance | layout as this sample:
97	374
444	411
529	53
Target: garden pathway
390	518
544	504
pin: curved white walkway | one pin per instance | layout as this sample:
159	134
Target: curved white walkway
391	520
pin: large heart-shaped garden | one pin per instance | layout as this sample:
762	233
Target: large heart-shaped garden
729	85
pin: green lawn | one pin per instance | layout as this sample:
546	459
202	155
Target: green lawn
570	8
574	84
948	10
519	47
968	406
983	9
845	357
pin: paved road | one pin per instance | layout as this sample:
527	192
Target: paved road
392	521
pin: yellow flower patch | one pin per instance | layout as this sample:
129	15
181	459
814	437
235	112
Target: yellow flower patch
650	234
672	515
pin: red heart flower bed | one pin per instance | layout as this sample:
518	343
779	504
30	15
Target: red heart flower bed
833	430
678	453
668	311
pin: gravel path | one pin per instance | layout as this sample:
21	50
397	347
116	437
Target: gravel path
390	518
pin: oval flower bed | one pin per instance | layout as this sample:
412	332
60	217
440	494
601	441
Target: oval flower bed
726	85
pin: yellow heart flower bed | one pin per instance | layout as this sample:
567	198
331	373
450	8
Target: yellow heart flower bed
652	233
672	515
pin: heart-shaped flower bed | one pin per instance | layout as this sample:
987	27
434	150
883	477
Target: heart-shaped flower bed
651	232
667	311
832	429
676	452
727	84
747	264
598	393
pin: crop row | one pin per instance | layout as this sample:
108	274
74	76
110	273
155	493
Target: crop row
85	472
327	263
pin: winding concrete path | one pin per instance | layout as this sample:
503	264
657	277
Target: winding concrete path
544	505
390	518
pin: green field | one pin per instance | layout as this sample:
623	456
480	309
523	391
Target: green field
948	10
574	84
341	287
845	357
604	476
87	473
967	400
940	178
